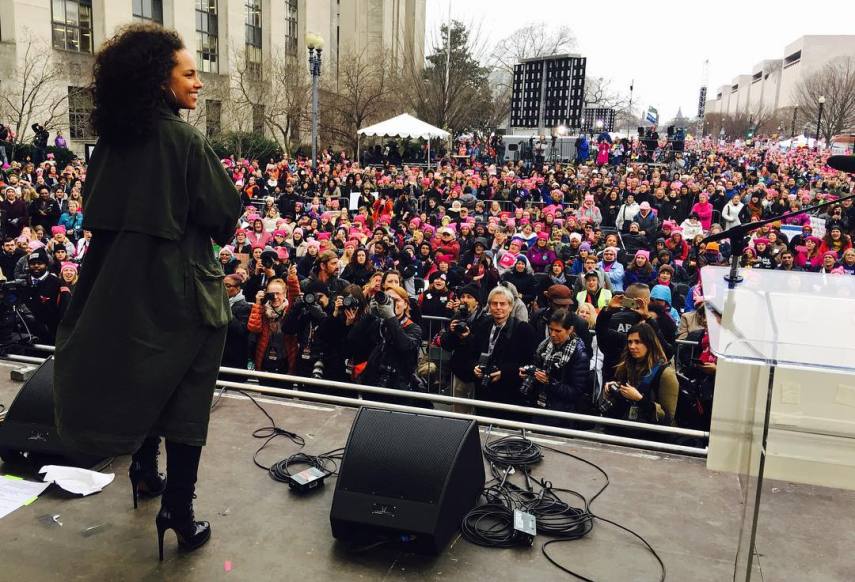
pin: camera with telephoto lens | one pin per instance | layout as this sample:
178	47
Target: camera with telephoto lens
611	391
527	386
461	315
487	368
385	373
381	298
318	369
349	302
309	299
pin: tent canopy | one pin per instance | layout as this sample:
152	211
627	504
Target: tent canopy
404	125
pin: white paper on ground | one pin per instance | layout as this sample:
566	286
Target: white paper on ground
76	480
15	493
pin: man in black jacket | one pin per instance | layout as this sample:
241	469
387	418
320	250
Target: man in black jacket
9	256
44	210
43	301
496	347
463	378
236	352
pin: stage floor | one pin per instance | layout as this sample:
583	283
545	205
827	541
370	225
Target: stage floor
690	515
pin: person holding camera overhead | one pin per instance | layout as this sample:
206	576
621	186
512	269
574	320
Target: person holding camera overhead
645	386
394	341
275	350
558	378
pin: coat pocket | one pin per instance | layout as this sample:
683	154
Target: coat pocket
211	295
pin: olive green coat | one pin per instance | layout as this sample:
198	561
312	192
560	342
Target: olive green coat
137	352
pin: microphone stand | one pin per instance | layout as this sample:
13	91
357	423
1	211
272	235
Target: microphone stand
738	236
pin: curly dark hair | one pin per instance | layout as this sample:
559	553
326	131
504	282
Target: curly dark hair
129	76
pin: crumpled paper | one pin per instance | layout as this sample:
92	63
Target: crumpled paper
76	480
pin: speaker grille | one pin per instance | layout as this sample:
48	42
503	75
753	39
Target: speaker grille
397	455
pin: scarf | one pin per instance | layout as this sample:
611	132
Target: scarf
274	317
236	298
556	357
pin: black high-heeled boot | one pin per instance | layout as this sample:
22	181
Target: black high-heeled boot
176	510
146	482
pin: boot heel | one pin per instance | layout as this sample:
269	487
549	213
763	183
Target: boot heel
134	490
160	532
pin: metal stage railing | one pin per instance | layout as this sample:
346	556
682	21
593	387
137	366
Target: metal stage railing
418	396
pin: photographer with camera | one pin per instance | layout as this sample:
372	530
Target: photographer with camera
394	341
466	312
266	269
558	378
496	347
275	349
348	311
307	313
645	386
43	298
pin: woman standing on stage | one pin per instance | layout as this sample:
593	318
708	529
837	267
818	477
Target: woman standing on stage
138	351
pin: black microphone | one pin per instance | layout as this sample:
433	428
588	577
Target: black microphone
740	230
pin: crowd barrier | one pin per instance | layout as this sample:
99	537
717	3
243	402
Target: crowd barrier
362	390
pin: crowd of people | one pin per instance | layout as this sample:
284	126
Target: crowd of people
564	286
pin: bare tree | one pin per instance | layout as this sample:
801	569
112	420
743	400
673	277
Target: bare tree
836	82
362	94
36	91
278	93
532	40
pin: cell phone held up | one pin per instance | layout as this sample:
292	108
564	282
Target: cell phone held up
628	302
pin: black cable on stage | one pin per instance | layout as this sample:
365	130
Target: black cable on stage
588	503
270	433
325	462
513	450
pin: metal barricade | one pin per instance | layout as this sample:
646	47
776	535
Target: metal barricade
416	397
438	374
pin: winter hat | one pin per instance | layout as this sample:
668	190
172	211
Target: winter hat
642	253
34	245
69	265
297	230
585	246
542	235
57	230
831	254
661	292
713	246
644	205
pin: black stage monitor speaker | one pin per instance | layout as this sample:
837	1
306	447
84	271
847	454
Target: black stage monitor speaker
29	431
406	476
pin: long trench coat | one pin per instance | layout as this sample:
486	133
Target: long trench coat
138	351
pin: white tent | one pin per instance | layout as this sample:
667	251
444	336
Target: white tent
404	125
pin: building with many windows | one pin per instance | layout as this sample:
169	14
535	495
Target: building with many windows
37	36
771	85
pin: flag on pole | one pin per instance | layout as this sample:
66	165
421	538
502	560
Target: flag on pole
652	115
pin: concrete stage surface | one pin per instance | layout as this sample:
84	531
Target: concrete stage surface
263	532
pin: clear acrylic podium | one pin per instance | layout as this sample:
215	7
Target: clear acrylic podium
776	319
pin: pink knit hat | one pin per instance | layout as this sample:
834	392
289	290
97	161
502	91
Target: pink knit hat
642	253
69	265
57	230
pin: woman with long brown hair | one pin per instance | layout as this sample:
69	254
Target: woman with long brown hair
645	386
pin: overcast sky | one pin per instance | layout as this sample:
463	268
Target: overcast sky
662	45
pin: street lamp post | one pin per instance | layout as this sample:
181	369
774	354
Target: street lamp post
315	44
821	102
